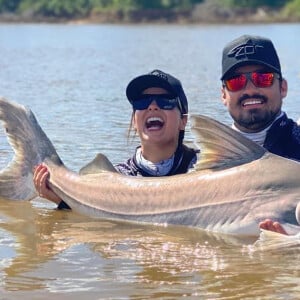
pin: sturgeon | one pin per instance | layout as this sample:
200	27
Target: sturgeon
234	185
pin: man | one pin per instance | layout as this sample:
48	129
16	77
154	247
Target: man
253	90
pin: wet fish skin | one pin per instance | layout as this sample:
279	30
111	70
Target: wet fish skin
234	186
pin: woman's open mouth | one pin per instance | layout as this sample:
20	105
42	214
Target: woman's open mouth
154	123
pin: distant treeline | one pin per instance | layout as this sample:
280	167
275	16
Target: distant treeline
71	9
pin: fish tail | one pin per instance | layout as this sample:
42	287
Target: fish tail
31	146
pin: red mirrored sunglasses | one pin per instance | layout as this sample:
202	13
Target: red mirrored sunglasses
259	79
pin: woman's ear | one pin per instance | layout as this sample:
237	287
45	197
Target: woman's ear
183	122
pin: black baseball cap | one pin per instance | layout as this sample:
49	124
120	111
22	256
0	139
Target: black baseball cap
248	49
157	78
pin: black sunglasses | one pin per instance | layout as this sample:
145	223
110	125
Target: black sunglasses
163	102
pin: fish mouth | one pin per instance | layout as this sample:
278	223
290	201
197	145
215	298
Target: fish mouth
154	123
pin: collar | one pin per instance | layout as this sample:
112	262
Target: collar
160	168
257	137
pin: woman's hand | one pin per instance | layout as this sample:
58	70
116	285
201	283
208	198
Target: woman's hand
40	178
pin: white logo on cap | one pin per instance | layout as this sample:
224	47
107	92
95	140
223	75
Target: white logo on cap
160	74
243	50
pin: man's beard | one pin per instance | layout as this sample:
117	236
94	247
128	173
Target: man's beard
255	119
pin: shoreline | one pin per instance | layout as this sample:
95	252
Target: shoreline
157	17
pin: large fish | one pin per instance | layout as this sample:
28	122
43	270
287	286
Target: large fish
235	184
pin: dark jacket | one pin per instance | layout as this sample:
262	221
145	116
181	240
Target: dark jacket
283	138
184	158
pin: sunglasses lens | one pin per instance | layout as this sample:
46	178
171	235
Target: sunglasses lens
166	103
236	83
162	103
262	80
141	104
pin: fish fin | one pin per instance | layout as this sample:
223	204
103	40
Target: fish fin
221	146
99	164
31	146
268	235
270	240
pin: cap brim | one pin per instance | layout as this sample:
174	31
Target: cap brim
249	62
136	87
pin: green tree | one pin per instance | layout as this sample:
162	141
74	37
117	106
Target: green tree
56	8
292	9
253	3
9	5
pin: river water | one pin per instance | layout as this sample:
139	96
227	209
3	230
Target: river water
74	77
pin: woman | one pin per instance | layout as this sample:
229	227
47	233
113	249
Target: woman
159	118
